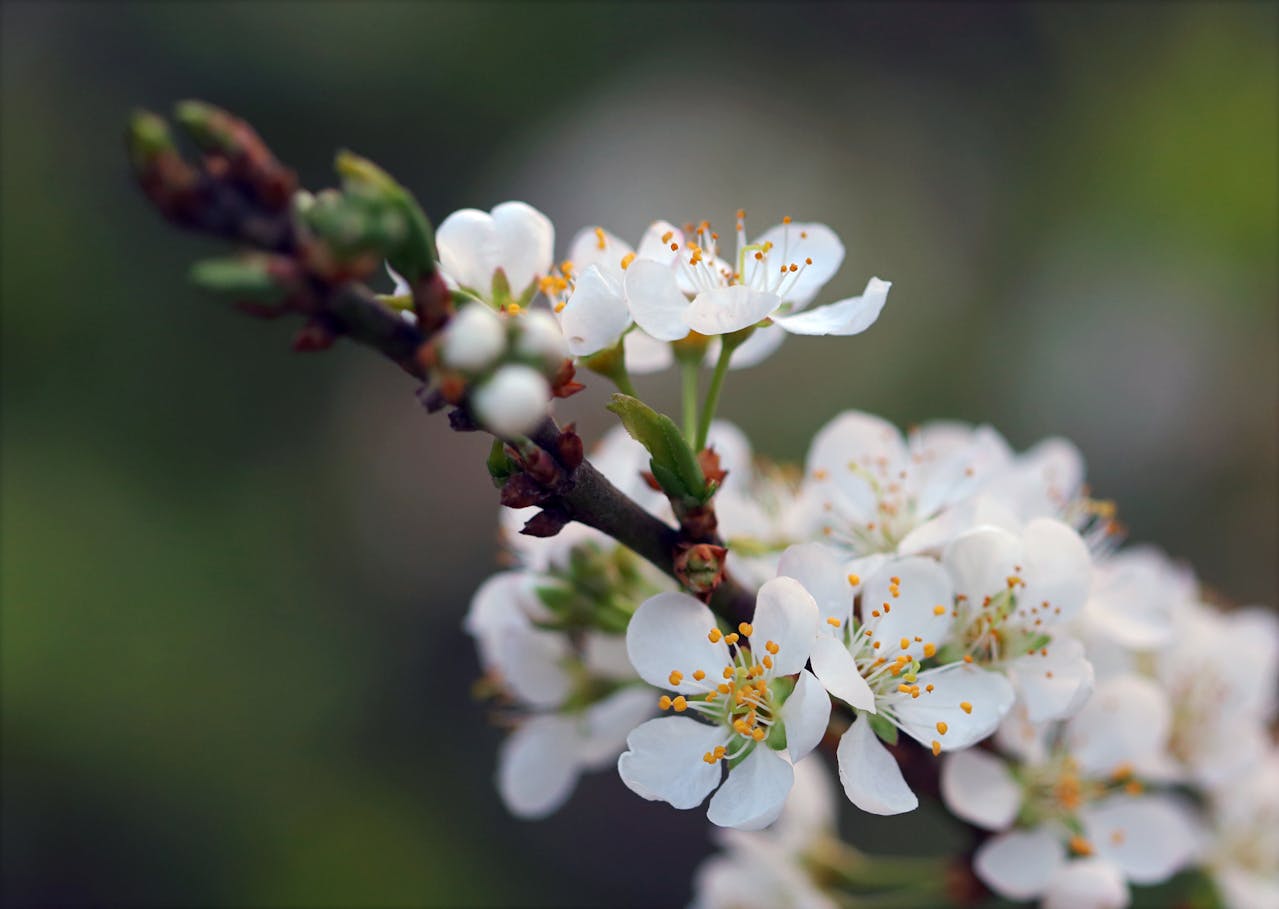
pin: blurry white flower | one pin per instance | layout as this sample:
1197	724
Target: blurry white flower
557	736
1243	854
1014	592
539	339
511	401
784	267
1073	793
871	490
766	868
474	339
750	716
496	256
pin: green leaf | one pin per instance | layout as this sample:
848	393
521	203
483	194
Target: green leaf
886	731
499	463
673	462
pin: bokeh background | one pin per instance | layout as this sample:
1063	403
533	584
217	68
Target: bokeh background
233	577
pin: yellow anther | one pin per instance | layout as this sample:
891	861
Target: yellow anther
1133	787
833	622
768	662
627	260
772	647
745	629
966	707
905	642
939	610
894	580
712	695
1080	846
757	734
854	580
808	261
875	613
930	650
758	255
888	607
675	677
666	237
820	474
1122	772
794	267
559	307
941	728
715	635
904	688
786	220
876	645
928	688
699	675
674	247
513	308
723	689
731	638
708	758
936	748
680	704
664	702
968	658
728	672
600	239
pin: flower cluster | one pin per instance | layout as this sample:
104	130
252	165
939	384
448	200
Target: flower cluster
936	611
1089	713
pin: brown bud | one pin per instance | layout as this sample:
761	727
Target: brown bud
313	336
700	567
562	385
697	523
708	459
521	491
541	467
568	448
432	302
546	523
452	387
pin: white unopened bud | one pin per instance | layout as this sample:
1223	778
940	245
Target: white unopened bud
512	401
541	339
474	339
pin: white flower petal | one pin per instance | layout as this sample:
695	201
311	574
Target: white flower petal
844	318
822	572
979	788
1090	883
837	670
657	304
853	440
912	616
512	401
1148	837
869	773
595	315
734	450
805	713
531	663
497	606
604	656
1053	682
669	633
645	354
664	761
653	246
587	250
527	241
469	249
727	309
537	767
786	615
603	728
811	809
1126	721
795	242
754	793
980	562
987	694
1057	570
1018	865
761	345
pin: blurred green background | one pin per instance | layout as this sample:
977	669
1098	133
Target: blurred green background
233	577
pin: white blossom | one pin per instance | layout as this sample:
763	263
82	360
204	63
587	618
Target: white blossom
744	710
511	401
483	252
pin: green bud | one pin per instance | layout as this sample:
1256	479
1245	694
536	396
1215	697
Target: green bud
147	136
211	128
673	462
244	278
413	253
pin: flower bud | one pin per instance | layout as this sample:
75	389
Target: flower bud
513	401
473	339
541	339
